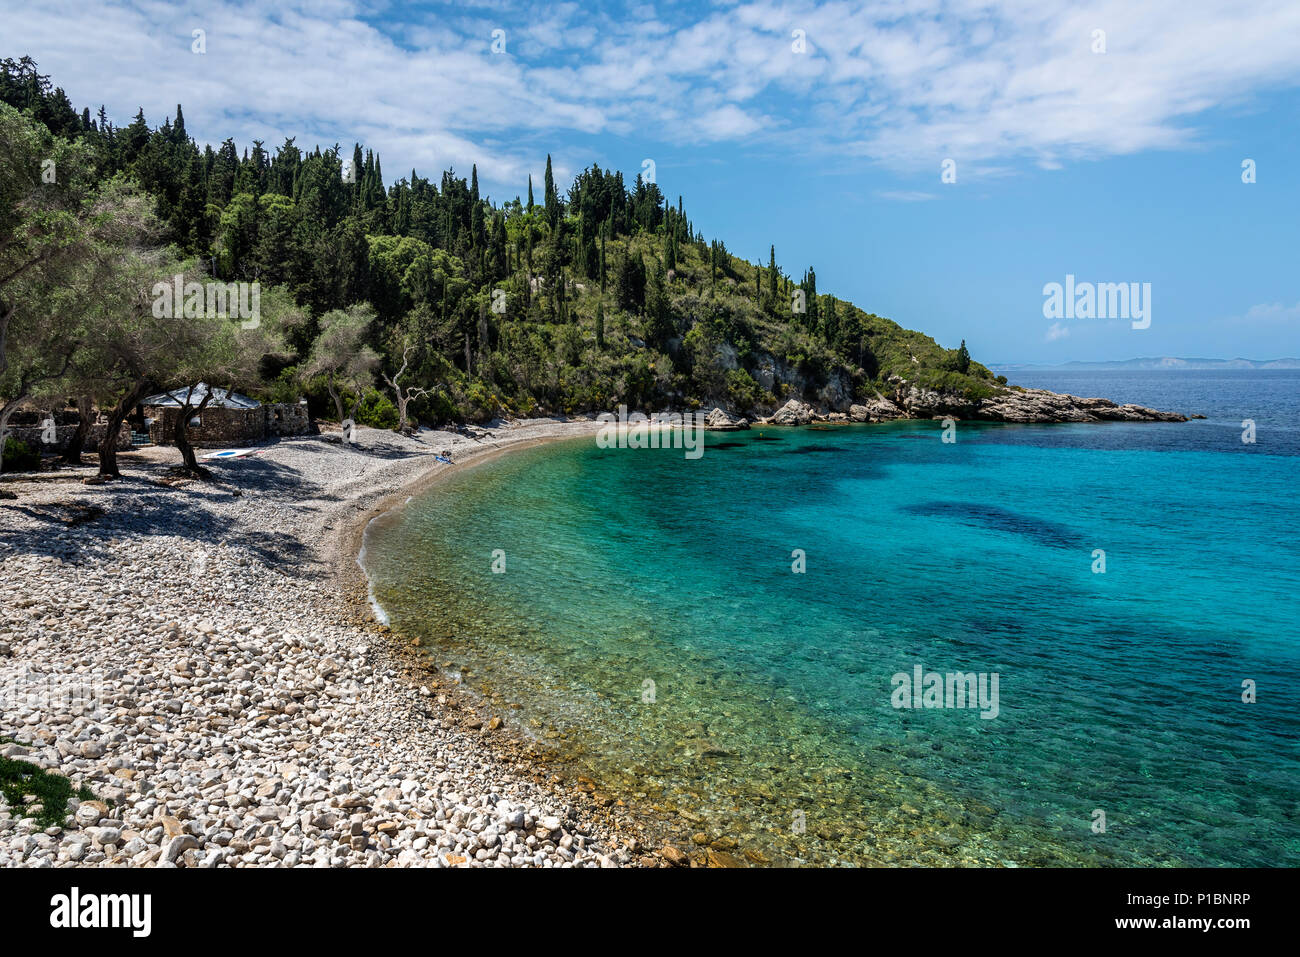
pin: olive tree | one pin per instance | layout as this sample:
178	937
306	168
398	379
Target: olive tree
341	357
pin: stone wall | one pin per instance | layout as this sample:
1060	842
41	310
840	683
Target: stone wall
32	435
222	428
216	427
287	418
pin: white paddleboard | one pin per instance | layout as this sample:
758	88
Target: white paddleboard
229	454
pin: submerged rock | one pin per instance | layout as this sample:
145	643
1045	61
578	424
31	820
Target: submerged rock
673	856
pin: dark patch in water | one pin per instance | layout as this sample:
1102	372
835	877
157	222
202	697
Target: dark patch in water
726	445
805	449
1000	520
767	438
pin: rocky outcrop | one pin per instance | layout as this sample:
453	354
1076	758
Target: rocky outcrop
720	420
1019	405
920	403
904	399
1039	405
910	401
793	412
878	409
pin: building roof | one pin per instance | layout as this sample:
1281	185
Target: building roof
221	398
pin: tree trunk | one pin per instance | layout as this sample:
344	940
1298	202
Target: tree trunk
5	412
401	410
335	395
181	436
108	445
85	417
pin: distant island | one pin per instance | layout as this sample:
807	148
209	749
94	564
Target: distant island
1153	364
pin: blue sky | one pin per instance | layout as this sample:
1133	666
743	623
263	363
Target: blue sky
1114	166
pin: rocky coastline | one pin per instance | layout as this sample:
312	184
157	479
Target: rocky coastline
1011	404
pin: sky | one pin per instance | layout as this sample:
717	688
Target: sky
940	163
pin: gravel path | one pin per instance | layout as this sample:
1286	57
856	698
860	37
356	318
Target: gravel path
201	656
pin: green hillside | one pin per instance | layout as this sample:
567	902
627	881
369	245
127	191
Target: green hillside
571	301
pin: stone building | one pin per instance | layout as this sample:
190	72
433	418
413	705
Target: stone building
228	419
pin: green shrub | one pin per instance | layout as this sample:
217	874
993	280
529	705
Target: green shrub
20	457
949	381
482	402
437	408
52	791
377	410
742	389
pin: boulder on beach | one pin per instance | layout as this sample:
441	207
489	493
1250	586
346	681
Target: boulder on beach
720	420
793	412
877	409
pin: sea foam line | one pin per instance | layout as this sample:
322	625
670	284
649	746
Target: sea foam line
380	614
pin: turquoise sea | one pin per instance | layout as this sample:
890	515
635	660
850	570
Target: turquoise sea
651	631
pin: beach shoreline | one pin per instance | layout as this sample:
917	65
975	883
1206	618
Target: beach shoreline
295	729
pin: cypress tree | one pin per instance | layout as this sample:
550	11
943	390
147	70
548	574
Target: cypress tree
658	326
831	324
771	276
552	198
810	292
600	324
358	172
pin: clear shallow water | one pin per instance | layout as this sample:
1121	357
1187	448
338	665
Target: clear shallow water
771	723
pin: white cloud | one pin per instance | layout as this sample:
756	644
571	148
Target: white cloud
1271	312
906	195
1057	331
901	83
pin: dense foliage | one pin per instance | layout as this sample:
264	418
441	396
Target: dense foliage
605	294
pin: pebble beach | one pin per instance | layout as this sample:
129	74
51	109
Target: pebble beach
202	658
